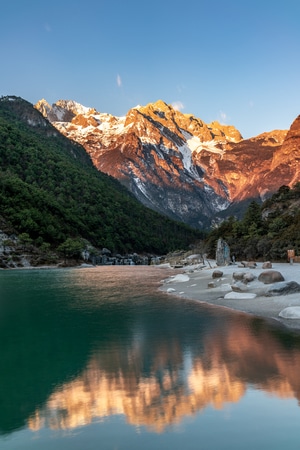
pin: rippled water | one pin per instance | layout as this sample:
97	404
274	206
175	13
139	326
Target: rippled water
100	359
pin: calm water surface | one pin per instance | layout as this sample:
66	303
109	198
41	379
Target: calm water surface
100	359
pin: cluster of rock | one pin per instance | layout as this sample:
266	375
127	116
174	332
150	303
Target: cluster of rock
243	281
107	258
270	283
15	255
193	259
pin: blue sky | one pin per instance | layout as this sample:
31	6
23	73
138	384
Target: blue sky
236	61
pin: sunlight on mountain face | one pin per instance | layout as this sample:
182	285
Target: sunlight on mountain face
197	168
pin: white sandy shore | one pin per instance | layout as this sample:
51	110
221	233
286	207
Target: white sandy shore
193	284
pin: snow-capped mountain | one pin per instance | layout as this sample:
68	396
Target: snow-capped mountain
177	164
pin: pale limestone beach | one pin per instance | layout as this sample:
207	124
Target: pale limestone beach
193	282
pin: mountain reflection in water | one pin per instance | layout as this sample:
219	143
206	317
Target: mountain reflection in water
178	385
99	342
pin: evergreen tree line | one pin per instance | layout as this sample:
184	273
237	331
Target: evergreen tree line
266	231
50	190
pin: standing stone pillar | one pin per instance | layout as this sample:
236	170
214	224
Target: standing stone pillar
222	253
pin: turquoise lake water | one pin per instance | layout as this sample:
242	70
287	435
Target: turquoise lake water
98	358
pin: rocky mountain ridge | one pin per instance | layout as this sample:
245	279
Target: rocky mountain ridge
177	164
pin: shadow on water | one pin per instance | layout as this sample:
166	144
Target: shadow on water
123	347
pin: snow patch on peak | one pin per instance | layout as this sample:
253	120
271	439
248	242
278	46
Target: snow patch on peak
195	145
218	203
74	107
186	157
11	99
188	162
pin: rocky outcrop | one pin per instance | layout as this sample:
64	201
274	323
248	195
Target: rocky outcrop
285	161
177	164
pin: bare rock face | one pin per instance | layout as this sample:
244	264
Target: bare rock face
285	160
177	164
270	276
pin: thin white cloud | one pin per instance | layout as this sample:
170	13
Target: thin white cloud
178	106
119	81
223	116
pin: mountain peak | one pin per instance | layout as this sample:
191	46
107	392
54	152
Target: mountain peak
72	106
23	110
175	162
62	110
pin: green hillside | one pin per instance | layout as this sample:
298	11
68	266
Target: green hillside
266	231
50	190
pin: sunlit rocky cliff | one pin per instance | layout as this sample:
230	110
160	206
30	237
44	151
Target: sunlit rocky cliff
177	164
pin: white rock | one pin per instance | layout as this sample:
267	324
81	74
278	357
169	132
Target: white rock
197	256
164	266
239	295
169	290
180	278
291	312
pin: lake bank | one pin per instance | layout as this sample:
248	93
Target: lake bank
193	283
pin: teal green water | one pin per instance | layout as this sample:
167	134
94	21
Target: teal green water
100	359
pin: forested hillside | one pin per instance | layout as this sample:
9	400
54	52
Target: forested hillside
266	231
50	190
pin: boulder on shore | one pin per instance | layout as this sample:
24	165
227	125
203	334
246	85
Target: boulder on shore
267	265
180	278
217	274
248	277
239	286
245	277
270	276
238	276
291	312
283	288
249	264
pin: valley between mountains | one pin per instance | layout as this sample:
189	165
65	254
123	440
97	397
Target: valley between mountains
178	165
